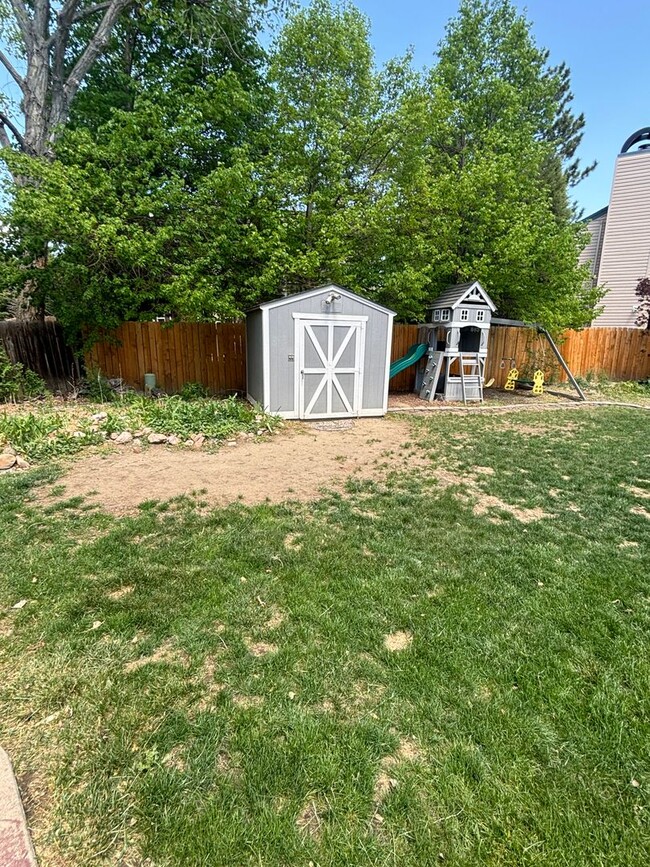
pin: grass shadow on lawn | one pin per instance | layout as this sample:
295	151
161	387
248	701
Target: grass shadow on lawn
218	688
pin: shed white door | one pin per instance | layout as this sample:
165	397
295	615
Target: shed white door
330	366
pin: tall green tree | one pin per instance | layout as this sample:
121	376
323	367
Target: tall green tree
491	191
149	183
336	129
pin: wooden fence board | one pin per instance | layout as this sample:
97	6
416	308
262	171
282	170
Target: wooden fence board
215	354
41	346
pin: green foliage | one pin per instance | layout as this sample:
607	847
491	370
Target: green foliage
40	436
96	387
17	382
193	391
46	434
216	419
194	180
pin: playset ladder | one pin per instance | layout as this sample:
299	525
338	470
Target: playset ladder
431	376
473	378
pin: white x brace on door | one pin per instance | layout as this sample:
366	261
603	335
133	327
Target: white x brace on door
329	365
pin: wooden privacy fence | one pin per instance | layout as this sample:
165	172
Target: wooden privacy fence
615	353
215	354
41	346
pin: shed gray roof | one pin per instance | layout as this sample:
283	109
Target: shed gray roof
320	290
455	295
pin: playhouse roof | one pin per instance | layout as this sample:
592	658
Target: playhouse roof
463	293
320	290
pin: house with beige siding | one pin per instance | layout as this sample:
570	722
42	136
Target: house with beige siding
619	248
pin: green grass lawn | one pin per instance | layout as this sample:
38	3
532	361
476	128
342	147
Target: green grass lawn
194	687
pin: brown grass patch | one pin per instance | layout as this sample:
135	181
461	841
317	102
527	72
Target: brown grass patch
167	653
292	542
247	701
121	592
639	510
396	641
260	648
276	619
310	819
482	503
175	759
637	492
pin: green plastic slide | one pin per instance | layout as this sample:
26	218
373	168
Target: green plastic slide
414	354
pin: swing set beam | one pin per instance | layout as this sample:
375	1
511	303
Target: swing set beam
516	323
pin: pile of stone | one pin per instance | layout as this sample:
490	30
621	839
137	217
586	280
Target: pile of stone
10	460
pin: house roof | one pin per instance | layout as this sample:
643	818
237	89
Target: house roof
455	295
595	215
320	290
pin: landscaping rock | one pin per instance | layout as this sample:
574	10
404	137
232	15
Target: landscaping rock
173	440
114	435
198	440
7	461
156	439
232	443
189	442
124	438
261	432
100	416
21	464
8	450
79	434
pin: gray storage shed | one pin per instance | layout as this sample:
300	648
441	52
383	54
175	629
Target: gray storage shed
324	353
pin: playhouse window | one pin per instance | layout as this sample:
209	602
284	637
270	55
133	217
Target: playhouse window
464	315
436	316
480	315
445	316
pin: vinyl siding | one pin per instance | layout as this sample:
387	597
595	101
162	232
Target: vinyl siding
625	254
592	252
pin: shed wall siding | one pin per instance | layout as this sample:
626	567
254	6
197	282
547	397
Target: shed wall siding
254	356
626	246
281	337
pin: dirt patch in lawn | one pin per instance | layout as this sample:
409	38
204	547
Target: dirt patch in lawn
481	503
293	465
167	652
398	641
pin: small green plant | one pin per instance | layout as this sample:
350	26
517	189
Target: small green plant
39	436
96	387
193	391
17	382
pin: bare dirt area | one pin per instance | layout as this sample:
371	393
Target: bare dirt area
295	464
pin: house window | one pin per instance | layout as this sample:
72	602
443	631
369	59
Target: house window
445	316
464	315
436	316
480	315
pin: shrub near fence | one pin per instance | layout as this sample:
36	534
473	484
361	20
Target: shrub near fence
215	354
40	346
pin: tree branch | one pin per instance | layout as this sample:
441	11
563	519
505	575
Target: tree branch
6	122
4	138
94	48
90	10
13	72
24	21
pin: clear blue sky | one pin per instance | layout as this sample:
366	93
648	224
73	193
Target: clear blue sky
605	44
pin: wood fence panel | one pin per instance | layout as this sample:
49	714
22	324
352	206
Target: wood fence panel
404	336
41	346
215	354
